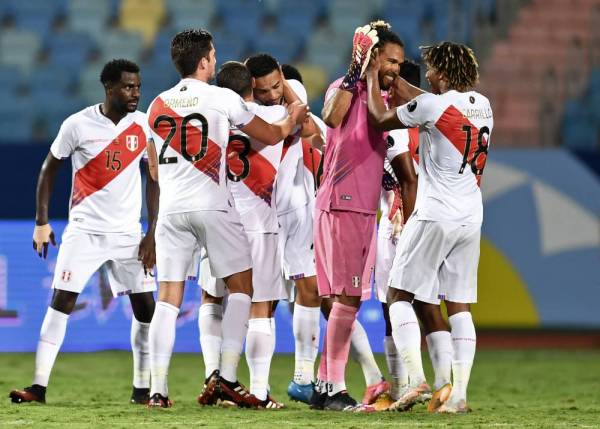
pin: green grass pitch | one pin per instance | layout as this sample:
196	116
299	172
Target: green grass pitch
513	389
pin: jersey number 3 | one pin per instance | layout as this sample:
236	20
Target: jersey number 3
182	134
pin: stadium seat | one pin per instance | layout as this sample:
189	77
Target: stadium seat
69	49
18	119
90	17
34	15
143	16
323	43
11	80
191	13
121	44
281	46
90	89
229	46
19	48
52	78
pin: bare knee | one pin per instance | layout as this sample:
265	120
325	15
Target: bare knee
240	283
457	307
171	293
430	316
307	293
261	310
209	299
395	295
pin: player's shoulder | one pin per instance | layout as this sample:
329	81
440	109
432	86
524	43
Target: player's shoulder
79	118
268	113
397	136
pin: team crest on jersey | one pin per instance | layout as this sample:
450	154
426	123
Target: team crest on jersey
412	106
472	99
131	142
356	281
66	276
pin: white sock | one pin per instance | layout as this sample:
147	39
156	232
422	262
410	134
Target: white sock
141	353
259	353
333	388
395	367
161	339
273	332
52	335
407	337
306	335
463	344
360	350
234	327
439	344
210	317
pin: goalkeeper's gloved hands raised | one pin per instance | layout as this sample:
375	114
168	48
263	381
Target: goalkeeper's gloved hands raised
362	44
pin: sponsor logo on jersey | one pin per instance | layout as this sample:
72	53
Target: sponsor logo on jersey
66	276
346	197
412	106
390	142
131	142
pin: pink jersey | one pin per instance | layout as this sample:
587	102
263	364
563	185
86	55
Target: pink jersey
353	160
106	196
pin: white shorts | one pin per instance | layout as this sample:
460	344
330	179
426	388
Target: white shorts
437	260
180	235
81	254
266	275
296	243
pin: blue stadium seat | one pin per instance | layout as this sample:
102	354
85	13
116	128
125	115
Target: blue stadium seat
11	79
229	46
121	44
578	129
19	48
90	88
69	49
53	77
17	118
247	23
90	17
281	46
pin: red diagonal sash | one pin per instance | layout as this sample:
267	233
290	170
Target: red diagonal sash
210	164
261	174
109	163
451	125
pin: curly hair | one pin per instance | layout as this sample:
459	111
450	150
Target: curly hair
455	61
385	34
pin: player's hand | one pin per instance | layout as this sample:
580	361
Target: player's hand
372	70
42	235
298	112
147	253
362	44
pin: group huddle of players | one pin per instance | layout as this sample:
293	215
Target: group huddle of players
268	202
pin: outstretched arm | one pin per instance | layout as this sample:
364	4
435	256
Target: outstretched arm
42	233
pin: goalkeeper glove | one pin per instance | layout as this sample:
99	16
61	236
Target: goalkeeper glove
362	44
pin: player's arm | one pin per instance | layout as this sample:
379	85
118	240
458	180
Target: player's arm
336	107
271	134
152	160
405	172
42	233
147	251
379	117
309	127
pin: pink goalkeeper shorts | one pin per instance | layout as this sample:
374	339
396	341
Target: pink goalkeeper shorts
345	246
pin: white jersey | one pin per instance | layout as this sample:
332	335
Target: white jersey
313	159
252	171
455	129
390	202
106	194
190	124
291	192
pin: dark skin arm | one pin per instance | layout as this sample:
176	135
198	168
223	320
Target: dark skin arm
42	197
309	127
379	117
405	172
336	107
147	252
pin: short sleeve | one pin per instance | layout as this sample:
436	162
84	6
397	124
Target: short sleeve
144	122
397	143
419	112
66	141
238	113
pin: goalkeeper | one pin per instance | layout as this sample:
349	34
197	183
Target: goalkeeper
346	205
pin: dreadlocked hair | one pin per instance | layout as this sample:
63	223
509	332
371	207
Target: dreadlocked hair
455	61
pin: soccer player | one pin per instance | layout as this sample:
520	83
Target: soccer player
346	205
252	170
190	123
294	213
438	251
106	143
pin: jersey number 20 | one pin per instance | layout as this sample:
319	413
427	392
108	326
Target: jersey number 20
183	137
